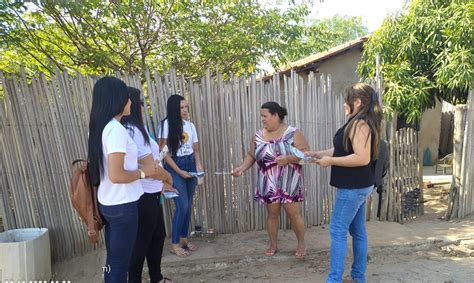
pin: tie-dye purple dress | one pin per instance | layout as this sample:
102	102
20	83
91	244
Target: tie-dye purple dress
277	184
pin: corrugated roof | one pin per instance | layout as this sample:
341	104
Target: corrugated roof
319	57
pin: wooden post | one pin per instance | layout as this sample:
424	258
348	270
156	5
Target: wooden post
456	188
2	211
469	153
391	191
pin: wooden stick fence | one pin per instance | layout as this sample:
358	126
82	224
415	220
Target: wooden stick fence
44	128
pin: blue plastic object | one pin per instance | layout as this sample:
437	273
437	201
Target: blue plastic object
427	159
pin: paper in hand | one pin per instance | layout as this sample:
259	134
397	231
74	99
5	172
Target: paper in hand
197	174
298	153
170	194
163	153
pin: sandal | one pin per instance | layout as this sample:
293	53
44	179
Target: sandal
270	252
166	279
179	252
190	247
300	253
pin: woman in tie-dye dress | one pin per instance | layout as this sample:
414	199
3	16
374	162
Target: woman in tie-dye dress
280	181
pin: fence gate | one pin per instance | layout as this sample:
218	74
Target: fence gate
402	198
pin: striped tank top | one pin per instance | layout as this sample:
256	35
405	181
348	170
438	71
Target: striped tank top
277	184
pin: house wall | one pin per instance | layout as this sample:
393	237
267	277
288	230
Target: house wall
342	67
430	130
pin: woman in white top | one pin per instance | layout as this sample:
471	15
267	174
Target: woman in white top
151	225
181	138
113	166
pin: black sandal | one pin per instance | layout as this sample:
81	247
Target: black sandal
166	279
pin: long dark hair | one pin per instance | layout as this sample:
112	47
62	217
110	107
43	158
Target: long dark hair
370	112
135	118
109	97
175	123
273	108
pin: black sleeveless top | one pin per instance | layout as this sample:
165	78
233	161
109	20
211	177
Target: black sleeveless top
350	177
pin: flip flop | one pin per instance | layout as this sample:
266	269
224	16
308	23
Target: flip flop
179	252
270	252
190	247
300	254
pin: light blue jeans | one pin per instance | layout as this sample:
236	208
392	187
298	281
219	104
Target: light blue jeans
349	215
184	202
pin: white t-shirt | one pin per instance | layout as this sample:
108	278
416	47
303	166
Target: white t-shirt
115	138
149	185
190	137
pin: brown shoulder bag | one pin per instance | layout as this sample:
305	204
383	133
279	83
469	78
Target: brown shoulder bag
84	200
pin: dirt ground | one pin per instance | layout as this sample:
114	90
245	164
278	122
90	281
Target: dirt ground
427	249
452	263
436	201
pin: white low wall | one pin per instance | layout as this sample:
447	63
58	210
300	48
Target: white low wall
25	255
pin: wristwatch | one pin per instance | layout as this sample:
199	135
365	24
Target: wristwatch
142	174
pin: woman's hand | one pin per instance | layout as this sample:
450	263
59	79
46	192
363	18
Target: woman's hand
199	167
313	154
184	174
168	188
324	161
238	171
282	160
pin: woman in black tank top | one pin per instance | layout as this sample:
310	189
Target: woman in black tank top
352	173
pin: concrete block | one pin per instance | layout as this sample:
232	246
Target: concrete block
25	255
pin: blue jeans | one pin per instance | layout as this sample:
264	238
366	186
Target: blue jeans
184	201
349	215
121	224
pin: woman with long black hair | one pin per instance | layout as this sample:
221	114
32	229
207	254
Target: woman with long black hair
113	166
352	160
181	138
151	225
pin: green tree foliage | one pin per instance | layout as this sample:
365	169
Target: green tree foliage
426	53
321	35
100	37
